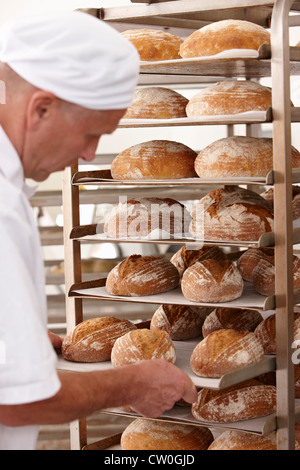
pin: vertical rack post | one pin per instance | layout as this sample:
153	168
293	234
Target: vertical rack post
283	224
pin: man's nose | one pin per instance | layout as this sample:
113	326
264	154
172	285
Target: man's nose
89	152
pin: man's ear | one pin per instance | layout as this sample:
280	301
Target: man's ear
41	106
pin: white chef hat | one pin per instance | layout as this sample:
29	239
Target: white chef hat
74	55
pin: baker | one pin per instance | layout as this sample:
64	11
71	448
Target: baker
68	79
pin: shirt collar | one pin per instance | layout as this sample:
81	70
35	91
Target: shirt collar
11	165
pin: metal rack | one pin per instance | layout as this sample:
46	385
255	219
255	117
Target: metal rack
279	62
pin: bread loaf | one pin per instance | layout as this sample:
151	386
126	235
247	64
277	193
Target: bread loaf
157	103
152	217
142	345
230	97
222	36
154	160
266	332
142	275
181	322
231	318
154	45
239	156
184	257
250	258
146	434
268	195
92	340
241	440
224	351
231	213
263	275
212	281
247	400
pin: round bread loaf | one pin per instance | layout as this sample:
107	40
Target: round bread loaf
266	332
184	258
222	36
268	195
250	258
263	275
241	440
146	434
181	322
152	217
231	318
224	351
157	103
239	156
247	400
230	97
231	213
212	281
154	160
142	345
92	340
140	275
154	45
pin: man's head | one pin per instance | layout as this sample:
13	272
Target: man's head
69	79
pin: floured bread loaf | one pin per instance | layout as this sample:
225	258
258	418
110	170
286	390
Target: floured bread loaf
263	275
143	345
150	217
230	97
154	45
239	319
142	275
250	258
92	340
224	351
184	258
266	332
157	103
211	280
222	36
231	213
239	156
154	160
181	322
247	400
146	434
241	440
268	195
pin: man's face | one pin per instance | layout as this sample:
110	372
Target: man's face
61	136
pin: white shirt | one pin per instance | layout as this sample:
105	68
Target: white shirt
27	359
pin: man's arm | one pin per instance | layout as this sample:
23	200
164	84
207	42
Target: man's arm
149	387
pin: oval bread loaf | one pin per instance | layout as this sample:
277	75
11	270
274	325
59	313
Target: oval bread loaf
154	45
157	103
212	281
230	97
247	400
250	258
143	345
181	322
154	160
184	258
146	434
266	332
263	275
231	318
241	440
142	275
92	340
222	36
224	351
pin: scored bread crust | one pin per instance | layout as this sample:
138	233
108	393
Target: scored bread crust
232	318
225	350
242	440
263	275
142	275
154	45
250	258
266	332
222	36
92	340
143	344
146	434
184	258
247	400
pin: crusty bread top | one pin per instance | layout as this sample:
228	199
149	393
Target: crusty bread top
154	44
88	327
208	394
214	269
